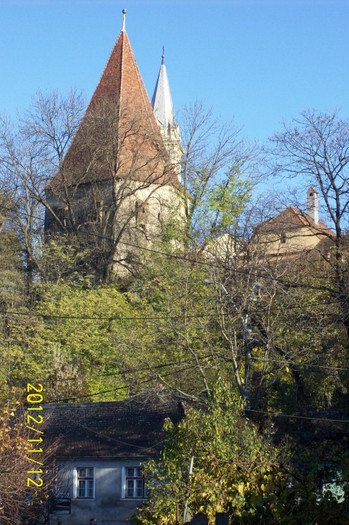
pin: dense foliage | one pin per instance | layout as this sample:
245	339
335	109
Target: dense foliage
245	336
234	467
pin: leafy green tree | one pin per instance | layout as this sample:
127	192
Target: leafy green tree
177	341
214	158
217	460
73	339
233	463
84	329
282	332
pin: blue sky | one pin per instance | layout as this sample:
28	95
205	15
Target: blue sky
259	61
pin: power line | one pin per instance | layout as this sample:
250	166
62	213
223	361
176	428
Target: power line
116	388
139	318
211	356
149	368
182	257
290	364
300	365
109	318
297	416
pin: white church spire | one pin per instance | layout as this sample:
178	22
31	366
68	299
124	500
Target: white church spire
164	114
162	100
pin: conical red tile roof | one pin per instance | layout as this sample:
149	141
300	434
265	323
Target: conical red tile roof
118	136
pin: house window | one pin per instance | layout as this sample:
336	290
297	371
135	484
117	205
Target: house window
85	482
134	483
283	238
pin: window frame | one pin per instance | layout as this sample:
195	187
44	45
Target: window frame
134	478
78	478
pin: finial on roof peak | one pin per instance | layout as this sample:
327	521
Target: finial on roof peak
163	55
123	19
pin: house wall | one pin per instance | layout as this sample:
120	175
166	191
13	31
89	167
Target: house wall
109	506
290	240
223	248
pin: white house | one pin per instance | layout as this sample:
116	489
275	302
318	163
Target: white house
101	450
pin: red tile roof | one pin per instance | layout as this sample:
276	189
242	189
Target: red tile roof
118	136
293	218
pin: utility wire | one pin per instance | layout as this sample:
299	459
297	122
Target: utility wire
110	318
150	368
114	374
140	318
300	365
296	416
64	400
175	256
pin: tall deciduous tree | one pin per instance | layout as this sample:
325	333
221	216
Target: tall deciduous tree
315	146
215	157
31	151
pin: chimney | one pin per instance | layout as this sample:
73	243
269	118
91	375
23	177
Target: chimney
313	204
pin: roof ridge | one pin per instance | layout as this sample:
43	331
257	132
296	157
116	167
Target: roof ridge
122	35
144	94
308	220
106	65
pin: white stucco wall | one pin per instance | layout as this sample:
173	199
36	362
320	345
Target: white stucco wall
108	506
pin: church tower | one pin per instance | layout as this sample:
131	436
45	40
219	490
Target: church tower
117	185
164	114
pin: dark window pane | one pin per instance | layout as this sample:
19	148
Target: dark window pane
139	488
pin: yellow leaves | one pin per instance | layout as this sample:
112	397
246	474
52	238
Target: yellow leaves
241	489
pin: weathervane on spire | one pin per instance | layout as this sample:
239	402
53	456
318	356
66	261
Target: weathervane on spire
163	55
123	19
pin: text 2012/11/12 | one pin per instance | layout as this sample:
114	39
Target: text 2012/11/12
33	419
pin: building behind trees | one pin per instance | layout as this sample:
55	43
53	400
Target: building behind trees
119	183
